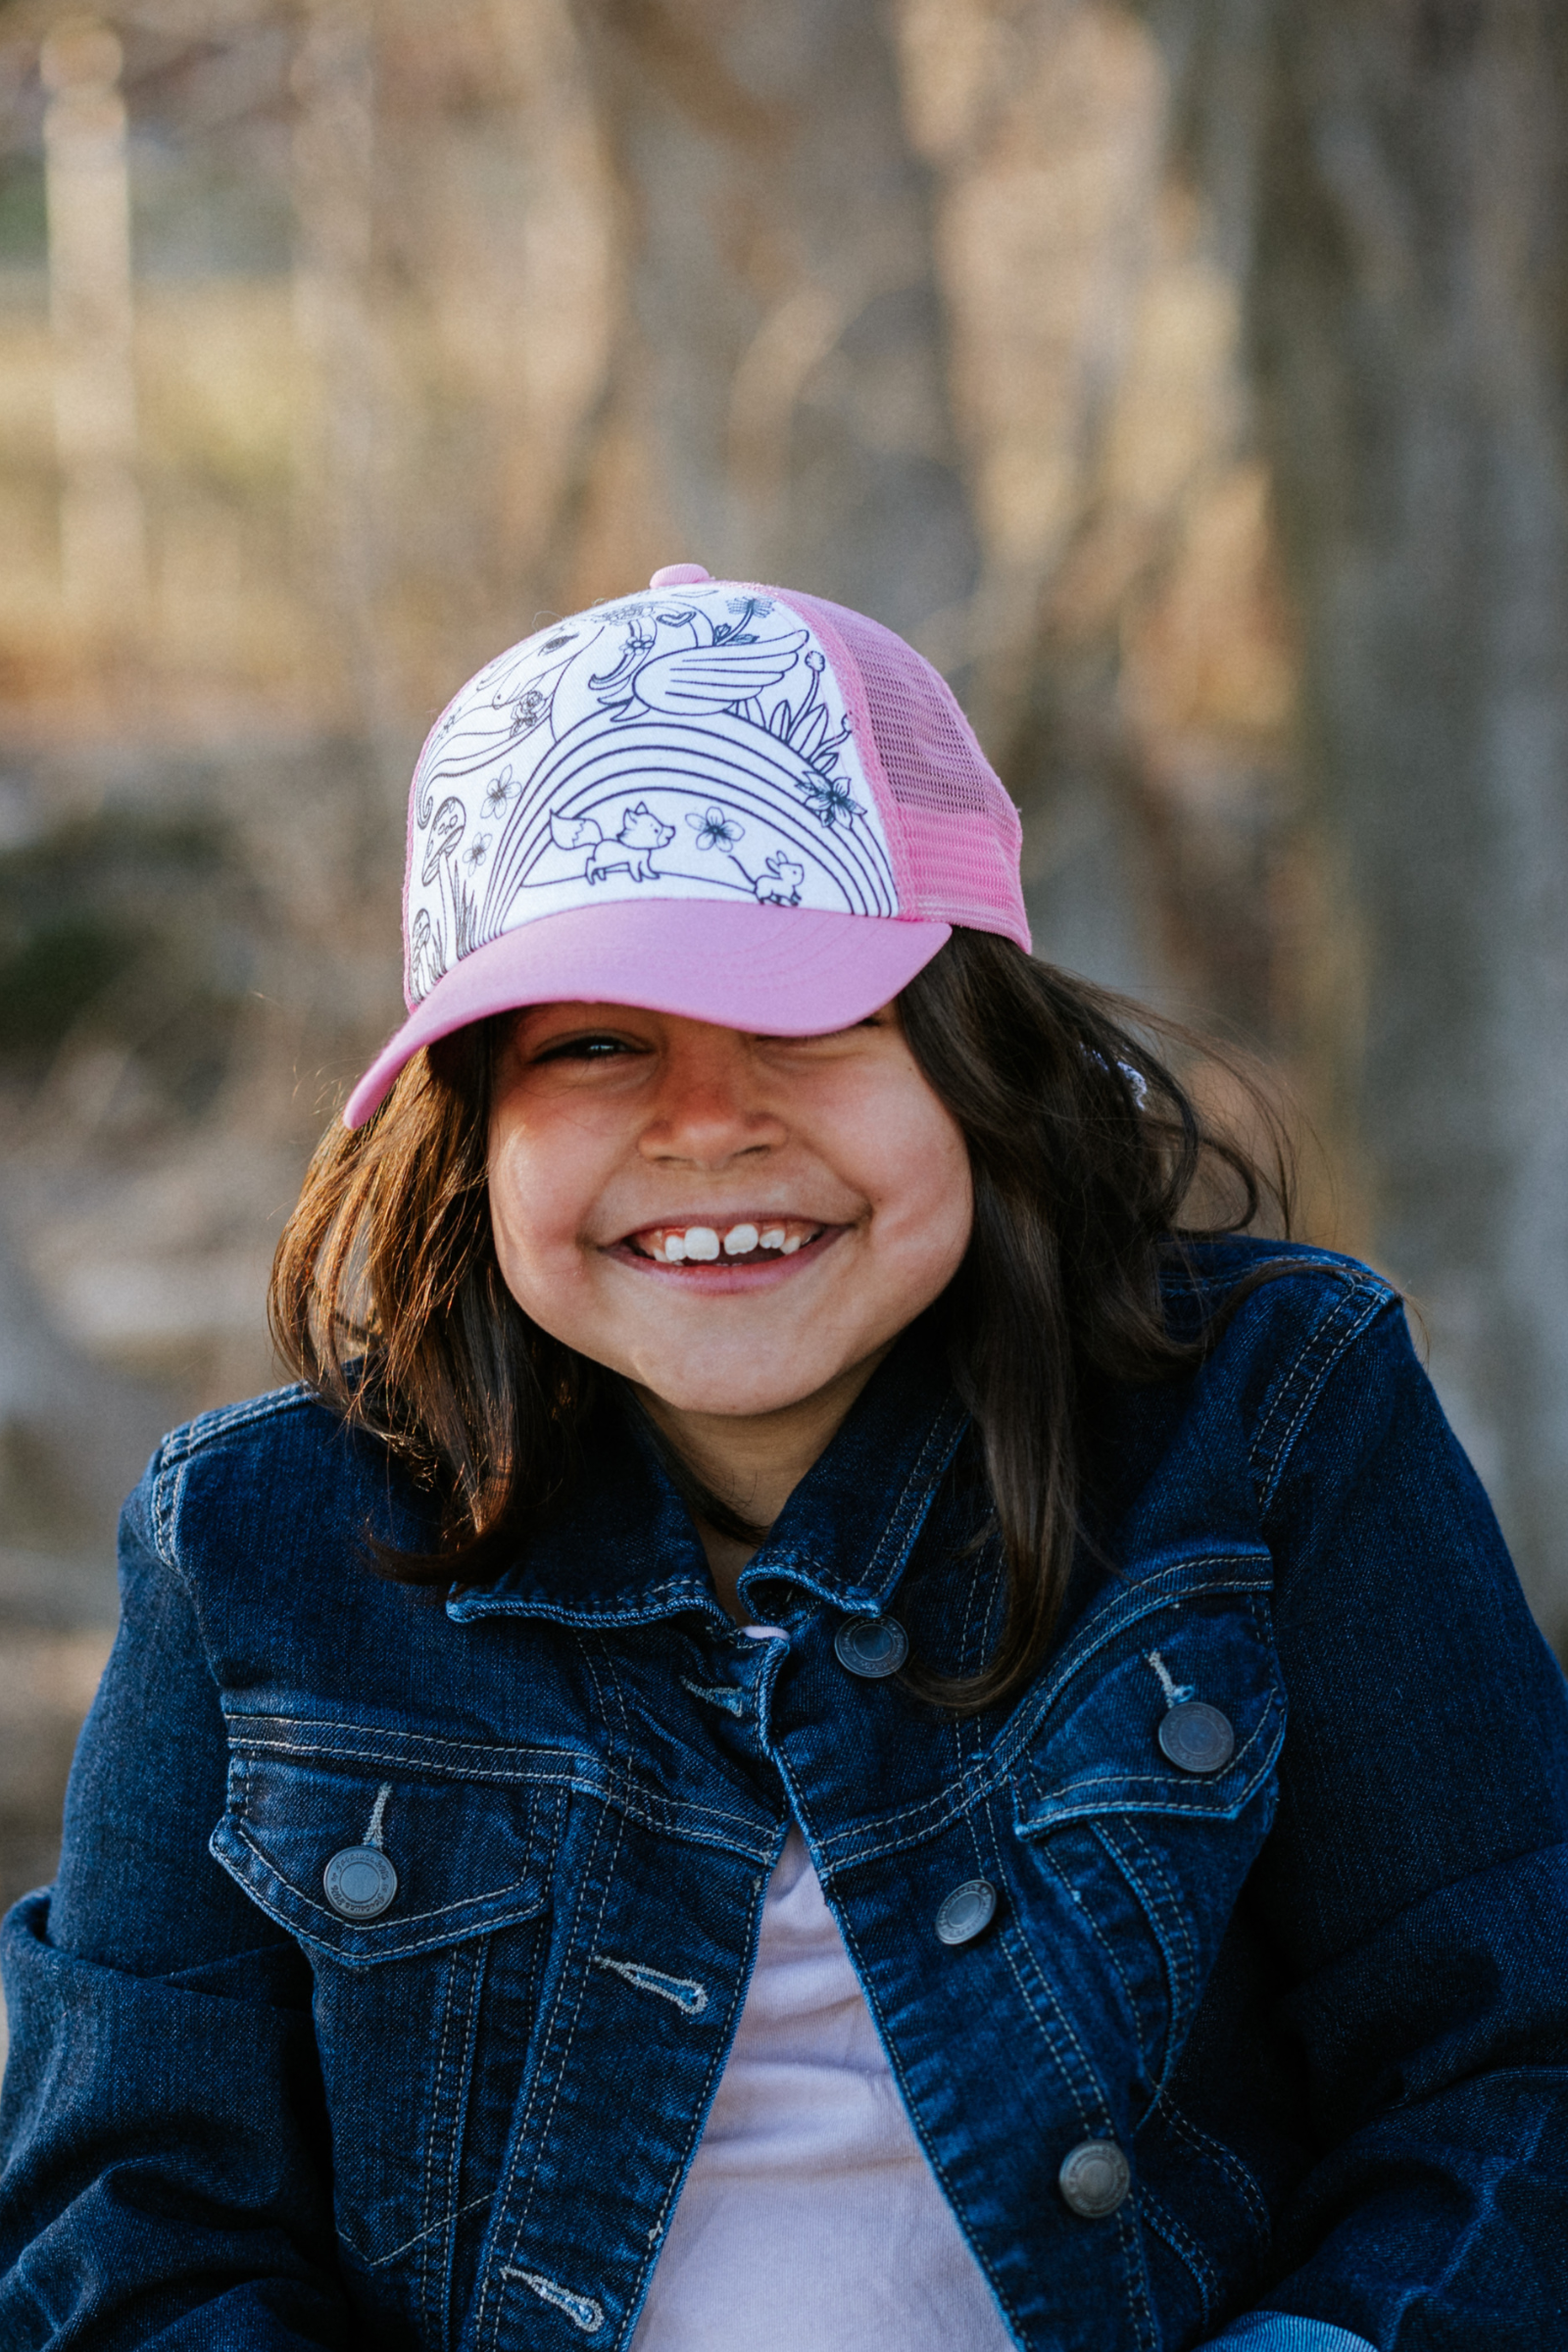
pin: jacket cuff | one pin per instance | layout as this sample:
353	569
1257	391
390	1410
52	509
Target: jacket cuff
1283	2332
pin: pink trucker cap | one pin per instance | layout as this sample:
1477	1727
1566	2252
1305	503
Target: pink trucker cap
712	797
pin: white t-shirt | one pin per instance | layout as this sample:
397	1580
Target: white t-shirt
811	2220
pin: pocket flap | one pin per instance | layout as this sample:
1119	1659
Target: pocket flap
1099	1750
466	1857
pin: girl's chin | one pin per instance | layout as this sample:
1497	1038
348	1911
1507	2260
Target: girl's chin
707	1398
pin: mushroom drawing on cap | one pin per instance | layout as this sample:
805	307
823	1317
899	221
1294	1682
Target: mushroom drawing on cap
425	956
441	866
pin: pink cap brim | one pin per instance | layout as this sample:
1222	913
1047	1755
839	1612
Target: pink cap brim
784	971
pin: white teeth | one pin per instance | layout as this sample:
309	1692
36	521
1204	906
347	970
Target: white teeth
701	1243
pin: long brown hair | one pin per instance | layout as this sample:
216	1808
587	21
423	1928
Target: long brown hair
1086	1152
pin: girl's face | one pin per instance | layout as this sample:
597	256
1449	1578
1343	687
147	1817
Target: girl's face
733	1222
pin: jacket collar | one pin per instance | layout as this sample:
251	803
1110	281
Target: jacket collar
624	1551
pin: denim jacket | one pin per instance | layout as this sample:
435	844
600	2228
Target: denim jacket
1304	1967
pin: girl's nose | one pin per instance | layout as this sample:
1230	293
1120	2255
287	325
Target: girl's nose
708	1113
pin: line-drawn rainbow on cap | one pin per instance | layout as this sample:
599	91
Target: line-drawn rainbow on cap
688	745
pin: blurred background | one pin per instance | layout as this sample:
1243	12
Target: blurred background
1186	380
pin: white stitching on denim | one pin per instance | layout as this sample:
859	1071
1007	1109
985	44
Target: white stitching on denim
564	2060
1319	1343
183	1442
522	2124
1175	1692
1135	2271
1049	1861
582	2311
1169	1960
1305	1381
628	1608
388	1928
1184	2247
1169	1896
1166	1923
945	1434
1247	2187
613	1787
1091	2119
642	1806
438	2083
373	1830
381	2260
684	1993
716	2061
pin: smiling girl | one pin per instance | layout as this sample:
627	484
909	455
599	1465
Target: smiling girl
821	1724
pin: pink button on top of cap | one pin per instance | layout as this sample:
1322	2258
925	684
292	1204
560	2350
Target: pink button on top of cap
679	575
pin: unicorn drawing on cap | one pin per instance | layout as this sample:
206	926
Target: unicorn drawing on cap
724	670
641	835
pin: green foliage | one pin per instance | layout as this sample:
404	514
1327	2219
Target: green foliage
130	932
24	228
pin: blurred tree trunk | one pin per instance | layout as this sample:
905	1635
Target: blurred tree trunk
785	353
1409	310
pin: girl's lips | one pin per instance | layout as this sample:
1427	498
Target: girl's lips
719	1272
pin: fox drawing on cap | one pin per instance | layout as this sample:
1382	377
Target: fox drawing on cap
640	834
632	693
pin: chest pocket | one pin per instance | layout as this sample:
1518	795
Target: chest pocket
415	1875
455	1858
1147	1783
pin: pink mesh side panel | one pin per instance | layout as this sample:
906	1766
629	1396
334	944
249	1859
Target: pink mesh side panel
952	831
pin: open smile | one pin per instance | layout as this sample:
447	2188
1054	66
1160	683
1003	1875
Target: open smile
712	1256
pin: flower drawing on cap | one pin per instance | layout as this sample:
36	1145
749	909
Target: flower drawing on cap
475	854
528	711
714	829
499	792
829	798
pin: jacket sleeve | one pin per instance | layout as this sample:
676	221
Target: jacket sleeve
1415	1884
163	2130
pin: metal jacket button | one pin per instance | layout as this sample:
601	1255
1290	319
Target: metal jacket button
966	1911
359	1881
872	1647
1197	1737
1094	2179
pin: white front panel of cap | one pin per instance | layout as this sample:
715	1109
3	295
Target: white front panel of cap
685	743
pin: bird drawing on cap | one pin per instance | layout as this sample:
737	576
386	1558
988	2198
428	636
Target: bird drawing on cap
641	834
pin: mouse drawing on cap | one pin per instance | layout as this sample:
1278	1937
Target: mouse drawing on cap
841	1708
